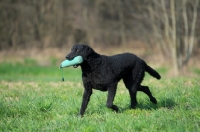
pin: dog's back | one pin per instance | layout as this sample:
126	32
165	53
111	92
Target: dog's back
122	64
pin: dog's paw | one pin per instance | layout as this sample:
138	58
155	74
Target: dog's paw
115	108
153	100
133	107
79	115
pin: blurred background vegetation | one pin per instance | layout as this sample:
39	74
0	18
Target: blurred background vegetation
166	28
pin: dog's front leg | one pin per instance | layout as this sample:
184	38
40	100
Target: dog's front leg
86	98
111	96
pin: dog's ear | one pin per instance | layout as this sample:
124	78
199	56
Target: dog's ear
88	51
86	48
82	46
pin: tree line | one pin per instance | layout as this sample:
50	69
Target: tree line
174	25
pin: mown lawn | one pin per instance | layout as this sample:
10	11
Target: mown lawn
33	98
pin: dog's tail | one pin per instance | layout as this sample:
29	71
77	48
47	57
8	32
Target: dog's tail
152	72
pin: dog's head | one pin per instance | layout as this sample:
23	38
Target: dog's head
80	50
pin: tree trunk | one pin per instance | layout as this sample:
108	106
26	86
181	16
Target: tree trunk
174	38
121	23
90	37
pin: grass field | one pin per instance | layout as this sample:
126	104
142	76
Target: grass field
33	98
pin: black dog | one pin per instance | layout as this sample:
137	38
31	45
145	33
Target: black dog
104	72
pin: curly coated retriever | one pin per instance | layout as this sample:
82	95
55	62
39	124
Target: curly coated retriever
104	72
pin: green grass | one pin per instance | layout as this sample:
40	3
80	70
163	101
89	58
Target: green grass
33	98
197	71
34	72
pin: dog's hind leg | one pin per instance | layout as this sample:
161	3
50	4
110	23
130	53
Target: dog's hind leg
133	93
146	90
111	96
132	88
132	82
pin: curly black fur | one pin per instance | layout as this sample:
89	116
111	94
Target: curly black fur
104	72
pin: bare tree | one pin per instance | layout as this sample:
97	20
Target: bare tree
174	27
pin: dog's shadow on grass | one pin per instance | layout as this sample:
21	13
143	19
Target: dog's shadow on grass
147	105
167	103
